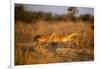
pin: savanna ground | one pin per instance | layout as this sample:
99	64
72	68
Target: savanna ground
27	51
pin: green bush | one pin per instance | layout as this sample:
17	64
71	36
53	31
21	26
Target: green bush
87	17
21	14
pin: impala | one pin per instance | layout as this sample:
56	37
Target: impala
55	38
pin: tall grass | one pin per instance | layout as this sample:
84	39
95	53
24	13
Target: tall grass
27	52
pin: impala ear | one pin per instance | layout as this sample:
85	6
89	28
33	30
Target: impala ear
53	33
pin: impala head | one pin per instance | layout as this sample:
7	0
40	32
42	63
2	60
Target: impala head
36	37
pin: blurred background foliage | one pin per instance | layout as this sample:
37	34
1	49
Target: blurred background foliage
26	16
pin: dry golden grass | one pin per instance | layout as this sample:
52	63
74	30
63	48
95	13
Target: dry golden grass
29	52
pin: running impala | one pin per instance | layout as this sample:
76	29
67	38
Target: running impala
55	38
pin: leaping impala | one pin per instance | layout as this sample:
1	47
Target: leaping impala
44	39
